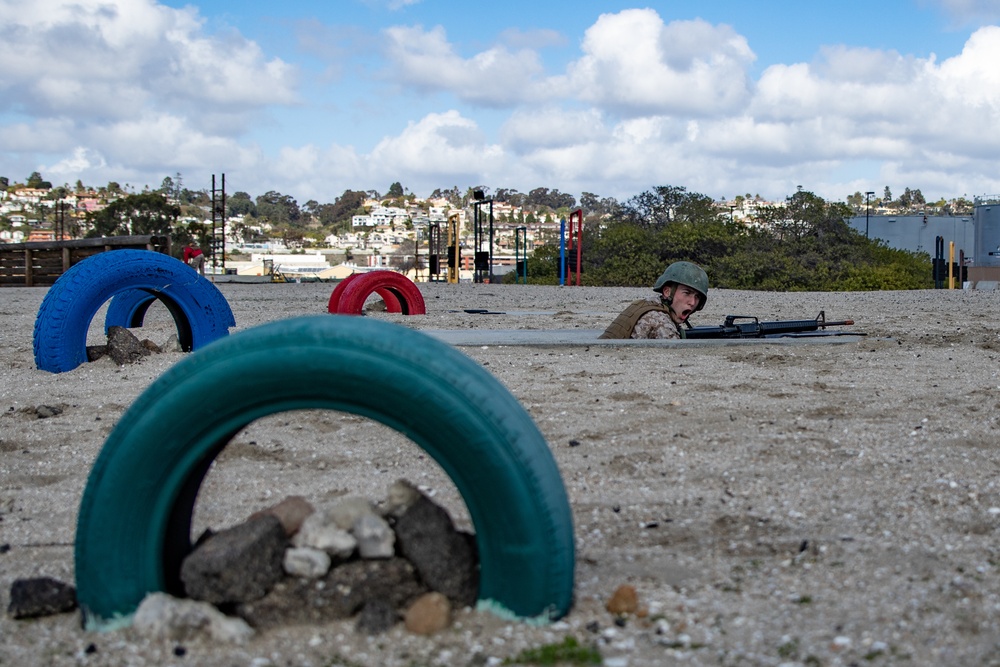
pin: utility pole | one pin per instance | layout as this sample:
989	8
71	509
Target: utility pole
868	197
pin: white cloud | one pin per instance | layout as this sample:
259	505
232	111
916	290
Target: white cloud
445	144
425	60
111	59
636	65
551	128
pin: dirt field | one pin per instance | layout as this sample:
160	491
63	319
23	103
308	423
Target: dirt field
816	504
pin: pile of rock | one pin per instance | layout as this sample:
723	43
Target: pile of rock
125	348
293	563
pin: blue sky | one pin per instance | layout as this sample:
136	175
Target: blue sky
311	98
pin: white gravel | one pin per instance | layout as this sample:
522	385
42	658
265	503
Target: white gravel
773	505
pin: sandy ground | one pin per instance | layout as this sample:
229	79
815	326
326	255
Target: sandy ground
812	504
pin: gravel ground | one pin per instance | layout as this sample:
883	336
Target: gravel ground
812	504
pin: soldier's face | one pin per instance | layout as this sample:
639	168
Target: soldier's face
685	301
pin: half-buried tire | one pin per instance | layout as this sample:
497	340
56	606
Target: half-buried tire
133	279
392	304
353	297
134	524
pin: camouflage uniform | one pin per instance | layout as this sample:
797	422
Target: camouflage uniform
645	318
655	324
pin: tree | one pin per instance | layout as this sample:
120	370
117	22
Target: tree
147	213
344	207
395	191
240	204
278	208
35	181
665	204
887	195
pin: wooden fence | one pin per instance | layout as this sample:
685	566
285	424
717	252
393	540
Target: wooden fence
40	263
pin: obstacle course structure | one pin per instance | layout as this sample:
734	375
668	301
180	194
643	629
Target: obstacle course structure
398	292
132	280
134	524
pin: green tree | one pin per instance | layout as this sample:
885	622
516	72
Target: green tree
35	181
140	214
241	204
665	204
278	208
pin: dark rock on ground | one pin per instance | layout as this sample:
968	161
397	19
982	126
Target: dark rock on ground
445	558
41	596
238	564
124	347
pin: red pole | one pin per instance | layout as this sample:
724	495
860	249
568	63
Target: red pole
579	240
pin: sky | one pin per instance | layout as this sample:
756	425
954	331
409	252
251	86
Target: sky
315	97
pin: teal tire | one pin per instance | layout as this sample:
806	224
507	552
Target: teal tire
134	524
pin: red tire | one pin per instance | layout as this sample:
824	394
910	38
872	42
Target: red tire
411	301
392	304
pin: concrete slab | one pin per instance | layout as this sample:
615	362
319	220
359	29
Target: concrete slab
589	337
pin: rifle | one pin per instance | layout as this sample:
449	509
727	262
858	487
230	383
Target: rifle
753	328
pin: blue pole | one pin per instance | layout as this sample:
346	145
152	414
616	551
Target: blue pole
562	251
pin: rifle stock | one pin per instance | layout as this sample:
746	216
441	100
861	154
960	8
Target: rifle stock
735	327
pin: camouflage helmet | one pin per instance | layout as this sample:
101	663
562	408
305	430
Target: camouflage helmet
685	273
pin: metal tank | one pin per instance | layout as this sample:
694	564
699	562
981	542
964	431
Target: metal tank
987	224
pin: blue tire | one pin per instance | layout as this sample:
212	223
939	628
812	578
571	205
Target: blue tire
134	278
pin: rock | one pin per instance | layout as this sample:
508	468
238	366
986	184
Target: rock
445	558
346	512
124	347
161	616
291	511
428	614
318	531
375	537
95	352
337	596
401	495
45	411
41	596
306	562
239	564
376	617
151	346
624	600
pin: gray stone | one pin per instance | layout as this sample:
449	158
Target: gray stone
124	347
41	596
238	564
401	495
319	531
306	562
346	511
375	537
445	558
46	411
161	616
337	596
